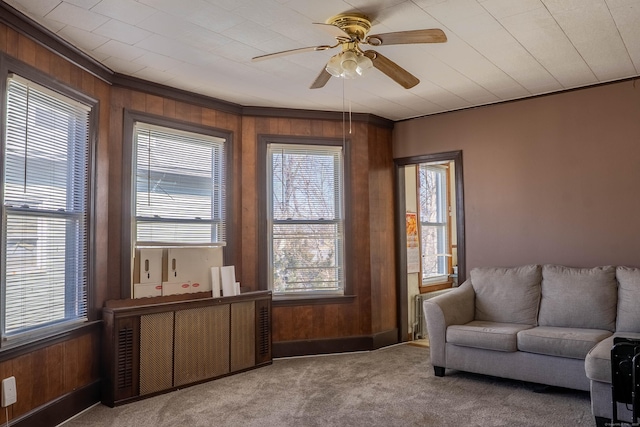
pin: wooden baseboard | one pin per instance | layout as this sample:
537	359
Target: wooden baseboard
385	339
60	409
334	345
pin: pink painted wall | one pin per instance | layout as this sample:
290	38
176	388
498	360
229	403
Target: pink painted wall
553	179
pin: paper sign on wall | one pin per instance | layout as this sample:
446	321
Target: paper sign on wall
413	243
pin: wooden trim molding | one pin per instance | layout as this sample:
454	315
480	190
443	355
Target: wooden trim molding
61	409
37	343
385	338
157	89
509	101
44	37
290	113
400	202
335	345
296	301
401	251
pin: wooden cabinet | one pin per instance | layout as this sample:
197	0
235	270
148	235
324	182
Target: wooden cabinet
158	347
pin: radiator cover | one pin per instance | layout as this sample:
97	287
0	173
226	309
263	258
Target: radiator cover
155	348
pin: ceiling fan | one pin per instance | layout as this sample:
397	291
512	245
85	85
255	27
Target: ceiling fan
350	31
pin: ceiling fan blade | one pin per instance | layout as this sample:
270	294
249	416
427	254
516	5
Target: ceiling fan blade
434	35
393	70
321	80
291	52
334	31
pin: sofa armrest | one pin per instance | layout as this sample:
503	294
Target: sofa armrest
452	308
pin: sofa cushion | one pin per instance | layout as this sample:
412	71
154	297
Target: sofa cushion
597	364
628	296
564	342
486	335
507	295
579	297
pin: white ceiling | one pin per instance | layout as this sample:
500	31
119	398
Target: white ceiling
497	50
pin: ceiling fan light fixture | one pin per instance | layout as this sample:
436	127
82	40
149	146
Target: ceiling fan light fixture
350	30
348	64
333	66
364	64
349	74
349	61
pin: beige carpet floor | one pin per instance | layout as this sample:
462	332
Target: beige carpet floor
393	386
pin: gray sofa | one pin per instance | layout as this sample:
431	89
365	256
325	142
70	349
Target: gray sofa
548	324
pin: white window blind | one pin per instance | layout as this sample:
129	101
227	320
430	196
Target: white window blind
306	219
434	218
45	205
179	186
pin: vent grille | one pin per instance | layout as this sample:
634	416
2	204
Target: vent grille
125	358
263	331
156	352
201	344
243	335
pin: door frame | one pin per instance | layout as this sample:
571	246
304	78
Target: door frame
400	208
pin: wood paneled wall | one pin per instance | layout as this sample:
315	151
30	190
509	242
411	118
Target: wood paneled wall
134	100
373	309
372	199
49	373
382	236
52	372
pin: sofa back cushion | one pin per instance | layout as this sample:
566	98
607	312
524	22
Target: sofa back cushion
579	297
628	299
507	295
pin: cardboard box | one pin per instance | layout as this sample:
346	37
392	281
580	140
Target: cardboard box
192	265
199	287
175	288
148	265
144	290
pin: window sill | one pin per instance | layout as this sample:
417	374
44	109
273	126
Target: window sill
11	350
288	301
429	287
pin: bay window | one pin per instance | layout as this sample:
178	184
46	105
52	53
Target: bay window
46	175
305	219
179	186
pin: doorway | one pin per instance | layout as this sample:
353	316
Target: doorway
430	226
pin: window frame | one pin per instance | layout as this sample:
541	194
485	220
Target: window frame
444	226
39	335
218	210
263	229
128	182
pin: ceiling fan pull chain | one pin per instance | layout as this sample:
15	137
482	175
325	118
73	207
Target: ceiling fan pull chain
349	116
344	131
345	97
